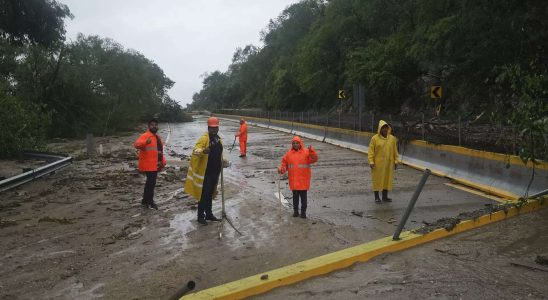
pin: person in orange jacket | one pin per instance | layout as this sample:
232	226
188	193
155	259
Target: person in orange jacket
242	134
297	162
151	160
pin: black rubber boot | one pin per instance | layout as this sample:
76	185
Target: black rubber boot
377	199
212	218
385	196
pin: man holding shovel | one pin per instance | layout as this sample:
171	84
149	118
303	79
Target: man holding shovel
242	135
204	170
297	162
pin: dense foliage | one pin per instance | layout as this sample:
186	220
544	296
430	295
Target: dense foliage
50	88
489	56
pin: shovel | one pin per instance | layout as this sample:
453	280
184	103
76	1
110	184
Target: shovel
281	197
233	144
223	212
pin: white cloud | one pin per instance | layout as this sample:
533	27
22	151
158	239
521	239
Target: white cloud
185	38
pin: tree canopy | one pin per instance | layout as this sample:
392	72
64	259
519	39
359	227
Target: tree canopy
490	57
51	88
397	49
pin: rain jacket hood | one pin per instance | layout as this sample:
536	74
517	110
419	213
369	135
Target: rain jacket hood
381	124
297	139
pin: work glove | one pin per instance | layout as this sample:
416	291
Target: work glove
281	170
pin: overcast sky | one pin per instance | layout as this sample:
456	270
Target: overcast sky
186	38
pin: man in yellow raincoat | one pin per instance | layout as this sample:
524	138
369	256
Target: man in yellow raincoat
383	157
204	170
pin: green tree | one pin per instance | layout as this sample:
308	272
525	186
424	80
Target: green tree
33	21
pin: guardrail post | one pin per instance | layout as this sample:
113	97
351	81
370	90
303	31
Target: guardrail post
423	127
90	145
411	205
459	132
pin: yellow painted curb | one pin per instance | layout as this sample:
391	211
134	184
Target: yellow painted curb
506	158
254	285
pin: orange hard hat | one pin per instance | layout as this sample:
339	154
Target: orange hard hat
213	122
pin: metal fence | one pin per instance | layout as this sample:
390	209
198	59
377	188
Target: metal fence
475	132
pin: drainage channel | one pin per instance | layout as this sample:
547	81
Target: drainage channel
58	161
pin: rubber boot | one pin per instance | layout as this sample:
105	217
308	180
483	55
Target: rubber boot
385	196
377	198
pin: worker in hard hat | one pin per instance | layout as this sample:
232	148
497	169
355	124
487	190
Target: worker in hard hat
297	162
204	170
242	135
382	156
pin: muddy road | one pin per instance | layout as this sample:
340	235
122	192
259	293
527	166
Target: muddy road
81	233
492	262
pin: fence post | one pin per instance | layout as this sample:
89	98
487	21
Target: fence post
514	139
459	132
423	127
90	145
340	118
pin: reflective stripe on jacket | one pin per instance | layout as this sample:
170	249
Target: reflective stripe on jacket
297	164
148	153
196	171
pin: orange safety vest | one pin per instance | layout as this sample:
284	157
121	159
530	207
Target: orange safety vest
297	163
148	153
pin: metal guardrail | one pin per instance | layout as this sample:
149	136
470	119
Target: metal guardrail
59	161
539	194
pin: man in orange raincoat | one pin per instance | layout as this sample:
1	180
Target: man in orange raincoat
151	160
383	157
242	134
297	162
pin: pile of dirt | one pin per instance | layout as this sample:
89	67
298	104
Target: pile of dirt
450	223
